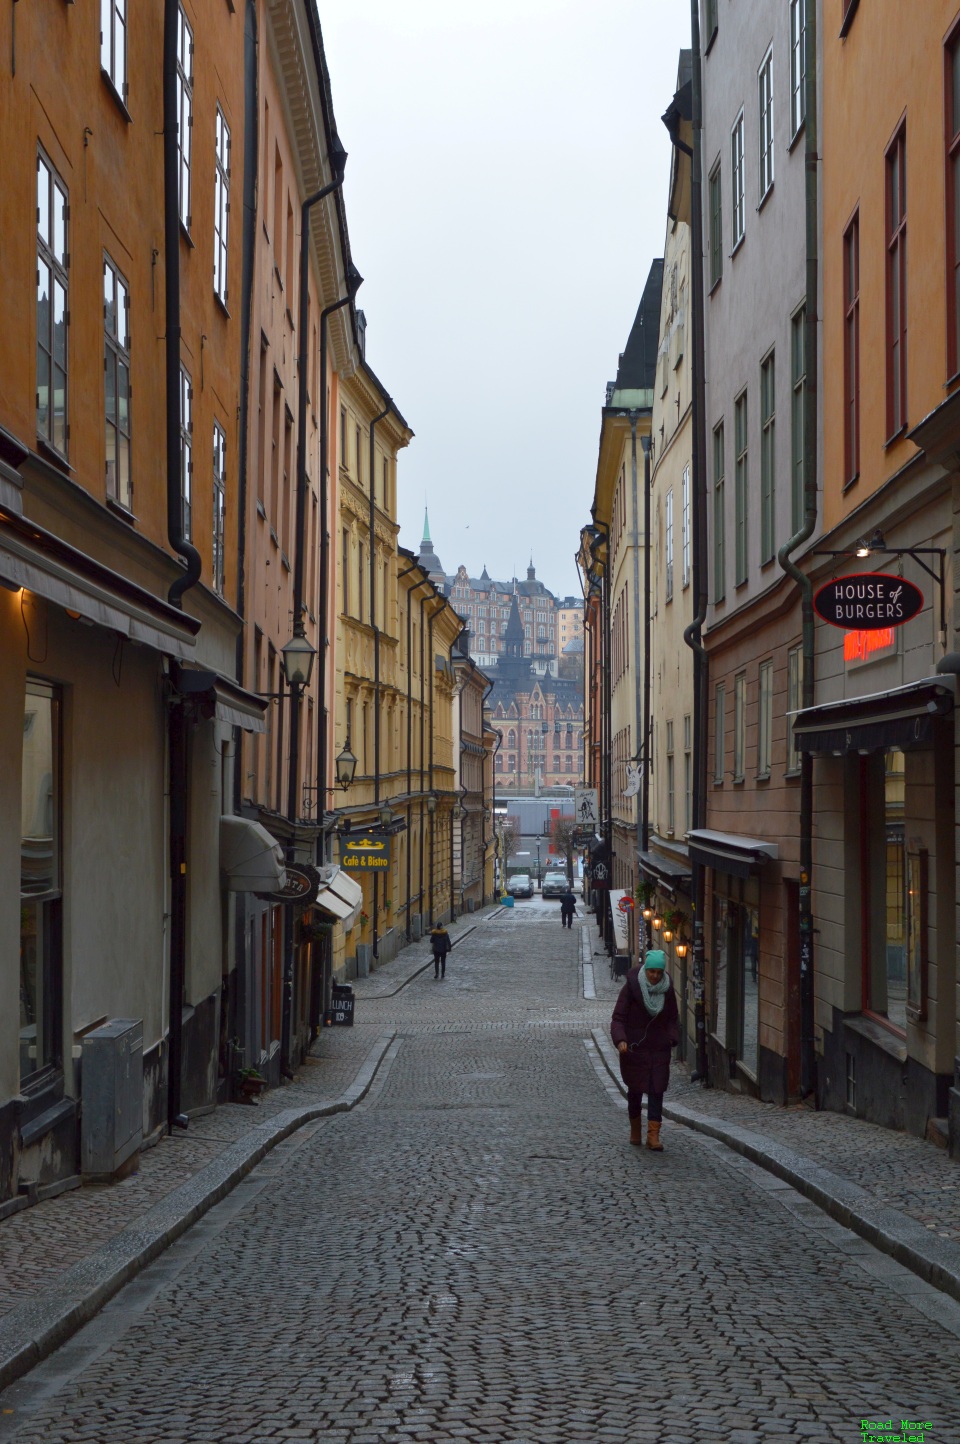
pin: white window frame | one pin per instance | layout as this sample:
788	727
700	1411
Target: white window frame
113	44
765	720
798	64
668	543
184	115
685	528
221	207
219	504
765	122
116	363
53	258
736	182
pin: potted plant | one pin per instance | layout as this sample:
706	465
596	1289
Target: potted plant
250	1084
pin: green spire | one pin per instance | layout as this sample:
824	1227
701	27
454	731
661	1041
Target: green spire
426	526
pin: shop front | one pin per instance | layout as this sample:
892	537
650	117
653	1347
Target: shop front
665	921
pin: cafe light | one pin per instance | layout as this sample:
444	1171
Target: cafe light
657	924
682	950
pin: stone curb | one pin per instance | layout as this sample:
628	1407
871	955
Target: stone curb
32	1331
935	1260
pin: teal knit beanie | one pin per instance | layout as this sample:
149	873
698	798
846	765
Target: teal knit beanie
655	961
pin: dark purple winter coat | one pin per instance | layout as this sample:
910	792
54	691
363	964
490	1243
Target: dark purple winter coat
647	1067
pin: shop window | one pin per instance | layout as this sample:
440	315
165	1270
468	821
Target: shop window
891	1000
736	1001
41	960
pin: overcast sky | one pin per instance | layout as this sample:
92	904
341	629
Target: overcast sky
506	192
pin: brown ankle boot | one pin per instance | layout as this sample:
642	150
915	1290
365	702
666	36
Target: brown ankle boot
653	1136
636	1130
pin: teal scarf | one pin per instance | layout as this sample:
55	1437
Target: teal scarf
653	993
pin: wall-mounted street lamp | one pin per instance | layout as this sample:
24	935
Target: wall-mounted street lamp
346	765
431	803
668	935
386	816
647	913
298	657
657	923
681	949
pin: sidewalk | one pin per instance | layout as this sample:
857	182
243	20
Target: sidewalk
63	1258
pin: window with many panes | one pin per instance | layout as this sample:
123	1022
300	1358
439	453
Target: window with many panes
896	168
765	720
798	399
219	504
794	703
113	44
740	499
719	731
671	800
716	226
345	569
184	113
116	384
736	179
53	314
768	457
685	528
851	349
765	117
719	519
41	958
221	207
952	110
739	724
186	454
798	63
668	544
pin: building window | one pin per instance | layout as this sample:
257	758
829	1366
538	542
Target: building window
897	284
716	226
685	528
53	315
768	458
719	731
221	208
719	519
360	580
798	63
739	724
186	455
345	570
765	720
343	438
219	504
41	960
671	806
953	202
794	703
113	44
710	22
359	460
798	383
765	105
740	487
687	774
116	383
736	179
851	349
668	544
184	112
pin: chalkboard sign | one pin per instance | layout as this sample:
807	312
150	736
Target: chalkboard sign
341	1007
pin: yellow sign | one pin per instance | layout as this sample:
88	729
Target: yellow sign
364	852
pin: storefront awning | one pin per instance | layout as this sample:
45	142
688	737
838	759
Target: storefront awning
340	895
250	858
213	695
40	562
729	852
667	872
903	717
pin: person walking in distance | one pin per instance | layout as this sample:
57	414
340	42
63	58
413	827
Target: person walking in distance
568	906
440	944
644	1027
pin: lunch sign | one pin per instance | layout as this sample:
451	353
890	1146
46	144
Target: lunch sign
868	602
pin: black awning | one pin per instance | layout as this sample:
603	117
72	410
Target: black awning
210	694
729	852
902	718
667	872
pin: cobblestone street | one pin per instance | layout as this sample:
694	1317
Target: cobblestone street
476	1253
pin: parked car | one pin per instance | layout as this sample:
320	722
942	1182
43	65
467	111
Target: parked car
520	885
554	883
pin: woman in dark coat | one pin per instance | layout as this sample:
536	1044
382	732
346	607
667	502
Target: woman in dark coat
440	945
644	1027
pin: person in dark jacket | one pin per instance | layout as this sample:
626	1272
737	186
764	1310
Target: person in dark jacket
440	945
568	906
644	1027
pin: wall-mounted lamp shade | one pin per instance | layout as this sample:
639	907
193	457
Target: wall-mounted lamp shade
431	803
298	657
681	950
346	765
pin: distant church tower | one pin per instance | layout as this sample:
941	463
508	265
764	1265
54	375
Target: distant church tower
428	558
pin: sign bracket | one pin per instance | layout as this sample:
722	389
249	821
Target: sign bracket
880	550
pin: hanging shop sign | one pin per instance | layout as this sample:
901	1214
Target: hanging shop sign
301	885
365	852
868	602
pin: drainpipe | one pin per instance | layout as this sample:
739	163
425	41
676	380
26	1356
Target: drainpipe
177	720
376	658
405	573
637	661
354	281
647	728
692	633
808	1062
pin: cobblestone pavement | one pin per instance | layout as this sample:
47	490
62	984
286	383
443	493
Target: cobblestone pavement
476	1253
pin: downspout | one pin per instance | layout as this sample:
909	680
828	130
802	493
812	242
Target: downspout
405	573
808	1062
636	611
376	658
177	719
692	633
423	700
647	663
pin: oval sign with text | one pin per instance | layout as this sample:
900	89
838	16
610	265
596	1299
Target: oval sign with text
868	601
